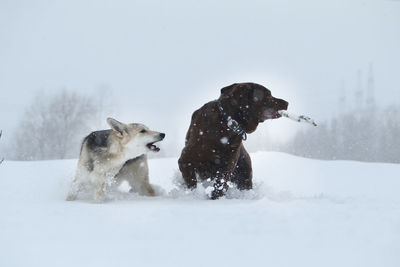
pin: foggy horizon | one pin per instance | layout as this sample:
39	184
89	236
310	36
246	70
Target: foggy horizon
161	61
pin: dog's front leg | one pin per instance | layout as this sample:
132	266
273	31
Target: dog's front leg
100	187
74	190
77	184
188	174
220	185
99	195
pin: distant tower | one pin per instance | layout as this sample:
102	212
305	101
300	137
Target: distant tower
359	94
370	89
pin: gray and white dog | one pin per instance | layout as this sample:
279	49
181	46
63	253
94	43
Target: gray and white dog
111	156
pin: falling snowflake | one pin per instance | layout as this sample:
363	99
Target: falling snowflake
224	140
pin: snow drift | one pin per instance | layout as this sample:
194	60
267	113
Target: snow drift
302	212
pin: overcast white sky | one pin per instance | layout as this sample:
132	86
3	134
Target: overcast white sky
163	59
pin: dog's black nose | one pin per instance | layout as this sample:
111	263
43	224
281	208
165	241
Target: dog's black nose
286	104
282	104
162	135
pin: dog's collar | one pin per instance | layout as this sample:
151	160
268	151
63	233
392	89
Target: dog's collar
231	123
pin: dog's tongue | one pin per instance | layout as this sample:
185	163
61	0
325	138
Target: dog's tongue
154	148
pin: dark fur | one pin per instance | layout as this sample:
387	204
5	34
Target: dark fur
96	141
205	156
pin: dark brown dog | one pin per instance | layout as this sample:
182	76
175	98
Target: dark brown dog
214	149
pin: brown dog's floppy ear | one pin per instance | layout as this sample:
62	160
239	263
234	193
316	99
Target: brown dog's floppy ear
116	126
258	94
228	89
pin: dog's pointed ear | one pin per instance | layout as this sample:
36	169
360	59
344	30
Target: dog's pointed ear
228	90
116	126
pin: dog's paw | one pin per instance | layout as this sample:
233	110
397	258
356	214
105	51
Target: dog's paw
218	190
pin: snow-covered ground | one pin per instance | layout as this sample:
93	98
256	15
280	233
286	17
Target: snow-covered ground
302	212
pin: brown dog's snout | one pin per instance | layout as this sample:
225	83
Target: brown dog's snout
281	104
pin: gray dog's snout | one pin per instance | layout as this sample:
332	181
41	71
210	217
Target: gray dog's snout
162	135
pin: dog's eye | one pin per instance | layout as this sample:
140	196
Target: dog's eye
143	131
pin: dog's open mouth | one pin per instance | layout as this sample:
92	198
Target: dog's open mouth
277	115
153	147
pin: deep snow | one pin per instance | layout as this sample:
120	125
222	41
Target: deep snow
302	212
